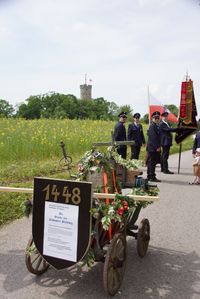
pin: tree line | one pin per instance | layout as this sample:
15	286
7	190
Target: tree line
56	105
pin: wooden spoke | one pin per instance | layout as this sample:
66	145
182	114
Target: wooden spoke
34	261
39	263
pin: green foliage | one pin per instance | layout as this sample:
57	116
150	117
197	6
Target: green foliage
173	109
6	110
39	140
112	110
11	206
55	105
32	109
145	118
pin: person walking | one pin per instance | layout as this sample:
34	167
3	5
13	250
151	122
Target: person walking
153	147
166	142
135	133
120	134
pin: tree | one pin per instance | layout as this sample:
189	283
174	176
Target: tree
32	109
112	110
100	108
126	108
56	105
6	110
145	118
173	109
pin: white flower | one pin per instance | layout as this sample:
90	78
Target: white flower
111	211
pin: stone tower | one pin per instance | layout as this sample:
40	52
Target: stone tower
85	91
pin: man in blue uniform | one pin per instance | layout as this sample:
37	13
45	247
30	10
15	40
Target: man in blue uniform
153	147
120	134
135	132
166	142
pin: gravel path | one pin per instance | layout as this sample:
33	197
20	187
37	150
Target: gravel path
171	268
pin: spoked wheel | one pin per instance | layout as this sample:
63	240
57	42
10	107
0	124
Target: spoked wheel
115	263
143	237
34	261
65	163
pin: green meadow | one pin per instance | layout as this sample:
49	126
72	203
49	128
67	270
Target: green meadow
31	148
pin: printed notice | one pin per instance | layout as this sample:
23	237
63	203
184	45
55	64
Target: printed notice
61	231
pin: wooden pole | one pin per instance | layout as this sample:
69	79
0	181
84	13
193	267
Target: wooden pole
97	195
18	190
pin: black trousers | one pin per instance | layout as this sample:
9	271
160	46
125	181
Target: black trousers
135	152
164	158
152	160
122	150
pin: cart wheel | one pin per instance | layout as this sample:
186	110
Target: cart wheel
34	261
115	263
143	237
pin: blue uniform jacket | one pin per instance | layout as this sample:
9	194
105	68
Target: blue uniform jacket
165	134
153	142
135	132
119	132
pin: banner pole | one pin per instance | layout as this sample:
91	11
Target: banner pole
179	158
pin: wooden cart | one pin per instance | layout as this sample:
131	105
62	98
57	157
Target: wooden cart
108	246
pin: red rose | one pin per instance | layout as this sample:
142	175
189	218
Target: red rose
120	211
126	207
125	203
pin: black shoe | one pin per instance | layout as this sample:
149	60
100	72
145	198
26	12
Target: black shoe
168	172
155	180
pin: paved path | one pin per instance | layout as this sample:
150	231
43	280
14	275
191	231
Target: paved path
171	268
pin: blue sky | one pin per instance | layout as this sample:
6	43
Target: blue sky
122	45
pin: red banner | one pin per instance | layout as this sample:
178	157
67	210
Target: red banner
183	100
188	111
186	102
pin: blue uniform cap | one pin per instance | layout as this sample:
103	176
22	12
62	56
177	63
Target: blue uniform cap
136	115
164	113
156	113
123	114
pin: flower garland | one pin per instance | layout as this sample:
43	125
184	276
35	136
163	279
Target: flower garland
93	161
128	163
121	207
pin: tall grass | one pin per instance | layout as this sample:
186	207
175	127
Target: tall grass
37	140
22	140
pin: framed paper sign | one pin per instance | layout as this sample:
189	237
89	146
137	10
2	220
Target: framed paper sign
61	220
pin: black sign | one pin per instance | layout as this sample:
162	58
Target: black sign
61	220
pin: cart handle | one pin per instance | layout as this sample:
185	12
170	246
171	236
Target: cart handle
97	195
